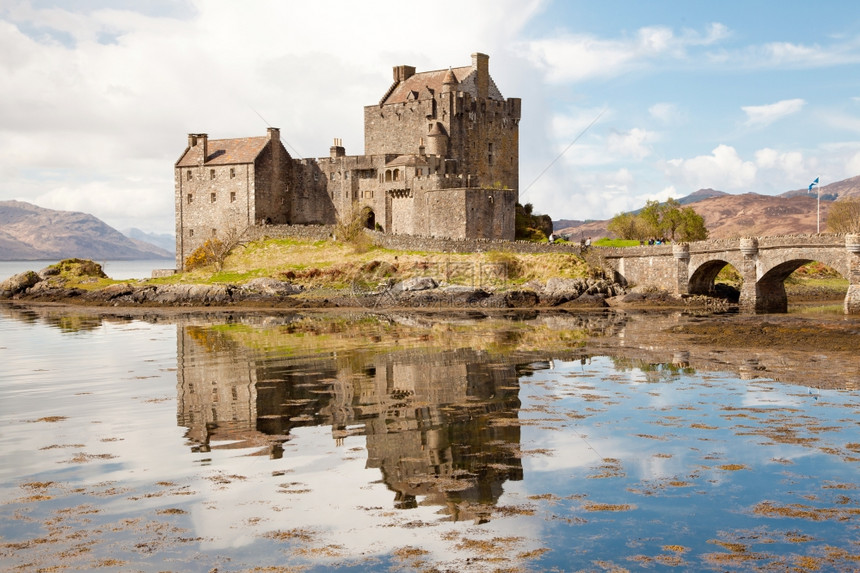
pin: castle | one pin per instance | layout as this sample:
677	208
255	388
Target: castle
441	159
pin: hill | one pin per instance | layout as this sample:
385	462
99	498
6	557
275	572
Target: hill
834	191
162	240
748	214
28	232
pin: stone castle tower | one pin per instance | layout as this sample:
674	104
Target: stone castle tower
441	159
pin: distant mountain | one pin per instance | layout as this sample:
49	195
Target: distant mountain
749	214
831	192
565	223
700	195
28	232
163	240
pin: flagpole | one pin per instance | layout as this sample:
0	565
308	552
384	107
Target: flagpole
819	206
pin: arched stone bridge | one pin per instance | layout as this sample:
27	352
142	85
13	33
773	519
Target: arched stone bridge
763	262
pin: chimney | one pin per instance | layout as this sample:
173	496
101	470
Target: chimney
403	73
275	184
481	64
421	150
198	142
337	149
275	143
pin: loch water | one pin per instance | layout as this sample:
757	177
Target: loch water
417	441
118	270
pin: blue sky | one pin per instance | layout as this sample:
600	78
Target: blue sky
742	97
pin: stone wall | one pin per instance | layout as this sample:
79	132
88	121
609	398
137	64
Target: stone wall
410	242
852	298
210	200
485	140
311	202
764	263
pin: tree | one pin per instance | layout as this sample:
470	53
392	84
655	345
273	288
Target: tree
652	216
628	226
672	220
844	216
531	227
692	226
657	219
215	250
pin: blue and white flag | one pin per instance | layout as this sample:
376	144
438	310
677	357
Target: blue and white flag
813	184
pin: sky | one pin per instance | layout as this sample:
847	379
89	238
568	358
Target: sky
622	100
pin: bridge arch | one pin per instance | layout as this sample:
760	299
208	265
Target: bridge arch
702	279
764	263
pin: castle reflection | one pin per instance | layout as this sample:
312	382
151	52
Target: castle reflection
439	425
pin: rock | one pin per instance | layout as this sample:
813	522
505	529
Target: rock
110	292
192	294
270	287
521	299
561	287
19	283
418	283
50	271
587	301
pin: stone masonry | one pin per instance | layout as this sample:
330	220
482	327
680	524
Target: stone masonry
763	262
441	159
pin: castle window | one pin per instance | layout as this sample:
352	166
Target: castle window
332	175
212	197
346	174
214	231
190	198
232	172
190	232
490	154
388	174
396	175
188	175
316	176
211	174
232	196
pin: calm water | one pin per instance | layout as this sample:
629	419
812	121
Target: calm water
119	270
411	442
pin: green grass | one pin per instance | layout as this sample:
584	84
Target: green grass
607	242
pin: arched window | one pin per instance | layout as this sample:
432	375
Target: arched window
397	175
388	174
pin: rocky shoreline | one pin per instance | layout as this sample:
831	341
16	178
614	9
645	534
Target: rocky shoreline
48	286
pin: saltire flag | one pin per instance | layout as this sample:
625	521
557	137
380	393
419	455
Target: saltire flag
813	184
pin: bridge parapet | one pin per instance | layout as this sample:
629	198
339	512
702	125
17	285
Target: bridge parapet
852	299
763	262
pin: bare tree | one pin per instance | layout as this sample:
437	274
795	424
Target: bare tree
215	250
844	216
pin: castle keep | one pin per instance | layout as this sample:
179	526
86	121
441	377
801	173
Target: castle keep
441	159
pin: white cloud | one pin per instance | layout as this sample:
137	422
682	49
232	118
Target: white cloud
94	97
666	112
723	169
853	164
842	50
790	163
631	144
577	57
762	115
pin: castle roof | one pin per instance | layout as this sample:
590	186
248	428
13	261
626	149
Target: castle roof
228	151
407	161
450	78
434	81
